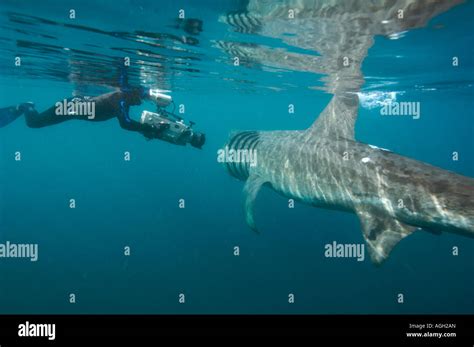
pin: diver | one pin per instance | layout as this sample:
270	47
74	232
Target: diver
161	124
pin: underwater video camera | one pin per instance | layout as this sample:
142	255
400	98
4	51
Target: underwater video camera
171	128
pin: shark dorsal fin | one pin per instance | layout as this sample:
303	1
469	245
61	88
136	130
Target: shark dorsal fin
338	118
381	232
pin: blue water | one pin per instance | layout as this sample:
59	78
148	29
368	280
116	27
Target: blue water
190	250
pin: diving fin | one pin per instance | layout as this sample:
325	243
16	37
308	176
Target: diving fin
9	114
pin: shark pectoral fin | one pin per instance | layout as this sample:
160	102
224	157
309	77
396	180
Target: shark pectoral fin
251	189
381	232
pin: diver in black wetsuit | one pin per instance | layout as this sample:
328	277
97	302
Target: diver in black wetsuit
161	125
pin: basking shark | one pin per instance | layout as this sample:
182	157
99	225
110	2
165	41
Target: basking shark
326	167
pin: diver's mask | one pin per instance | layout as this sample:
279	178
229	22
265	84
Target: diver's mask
171	128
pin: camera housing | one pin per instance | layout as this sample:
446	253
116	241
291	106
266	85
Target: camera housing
172	129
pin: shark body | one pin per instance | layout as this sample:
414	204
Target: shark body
326	167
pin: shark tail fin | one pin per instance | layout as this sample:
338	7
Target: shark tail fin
381	232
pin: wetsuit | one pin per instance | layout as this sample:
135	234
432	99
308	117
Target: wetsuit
107	106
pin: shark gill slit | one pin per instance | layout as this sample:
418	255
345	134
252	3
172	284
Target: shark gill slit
243	22
243	141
